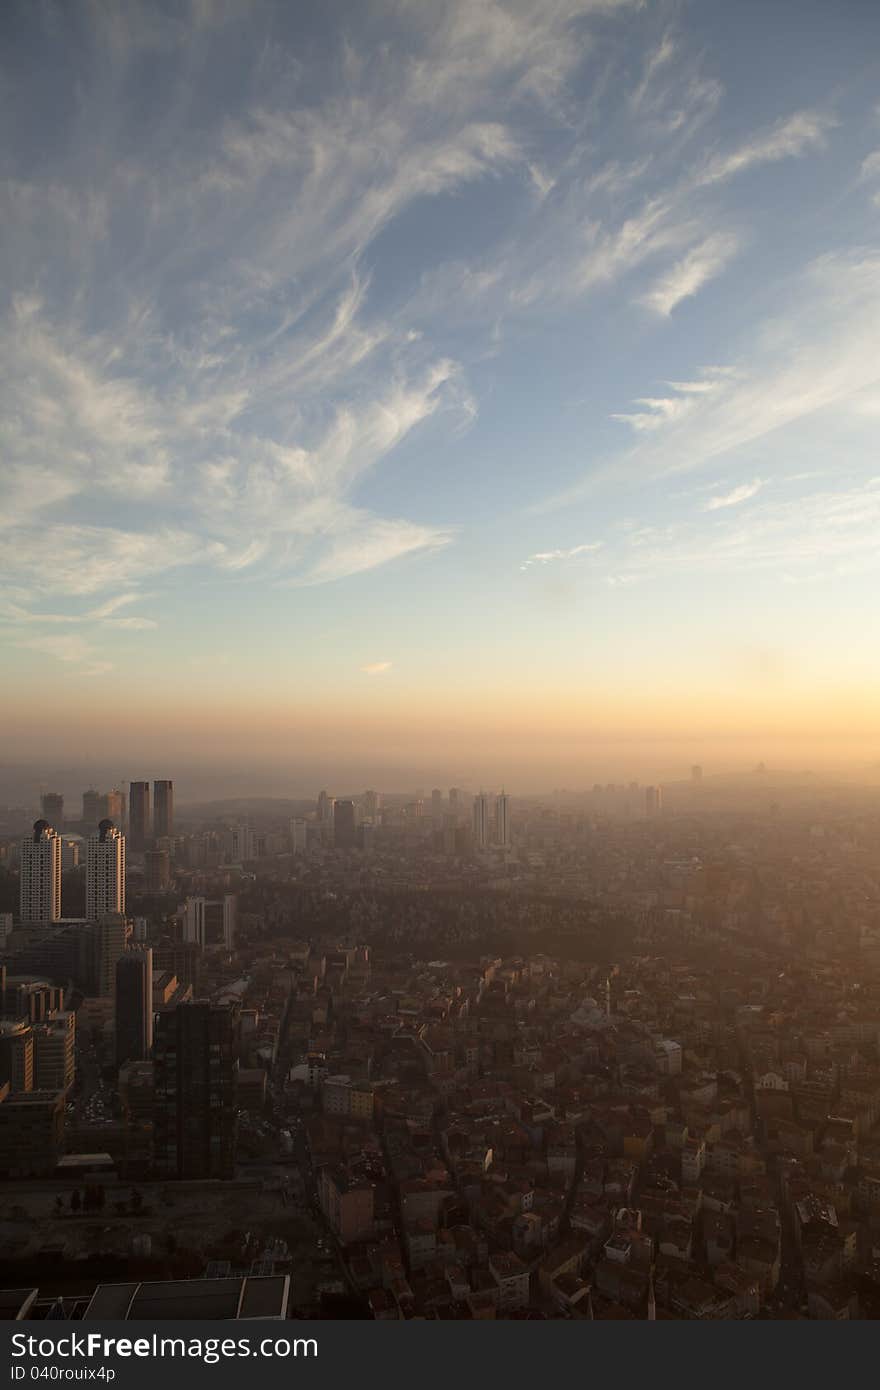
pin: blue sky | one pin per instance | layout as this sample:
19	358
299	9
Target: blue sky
356	354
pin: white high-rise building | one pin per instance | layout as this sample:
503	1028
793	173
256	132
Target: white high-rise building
105	872
40	896
481	820
502	820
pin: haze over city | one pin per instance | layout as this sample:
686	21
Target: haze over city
440	760
459	390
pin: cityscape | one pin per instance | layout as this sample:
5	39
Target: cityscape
439	737
444	1054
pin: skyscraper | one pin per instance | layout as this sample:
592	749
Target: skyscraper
105	941
437	808
139	824
111	806
55	1052
52	808
163	809
502	820
195	1119
372	802
210	922
653	801
344	830
696	774
40	888
134	1005
91	807
325	807
105	872
17	1055
157	870
481	820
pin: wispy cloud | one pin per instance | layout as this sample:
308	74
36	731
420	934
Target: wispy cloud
376	668
834	529
701	264
64	647
790	137
212	369
549	557
735	496
821	353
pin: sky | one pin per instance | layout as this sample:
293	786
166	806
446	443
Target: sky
477	388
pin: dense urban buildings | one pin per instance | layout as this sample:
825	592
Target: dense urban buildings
619	1060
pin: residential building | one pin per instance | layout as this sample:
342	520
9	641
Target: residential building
40	886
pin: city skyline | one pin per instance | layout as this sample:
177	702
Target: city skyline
385	380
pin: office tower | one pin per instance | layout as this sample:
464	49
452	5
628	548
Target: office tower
157	870
91	807
134	1005
437	808
105	872
16	1055
344	832
210	922
111	806
31	1134
298	833
29	999
696	773
163	809
372	802
195	1067
40	886
325	807
55	1052
104	942
653	801
140	827
481	821
52	809
502	820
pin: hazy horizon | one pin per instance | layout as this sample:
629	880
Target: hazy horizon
21	784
